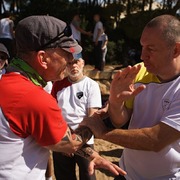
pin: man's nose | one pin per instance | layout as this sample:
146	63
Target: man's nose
144	55
73	64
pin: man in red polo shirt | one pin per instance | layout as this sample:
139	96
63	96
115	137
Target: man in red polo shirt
30	119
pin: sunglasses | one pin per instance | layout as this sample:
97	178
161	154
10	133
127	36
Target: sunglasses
67	32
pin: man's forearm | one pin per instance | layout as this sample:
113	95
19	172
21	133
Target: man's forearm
68	144
119	114
84	132
148	139
78	140
133	139
86	152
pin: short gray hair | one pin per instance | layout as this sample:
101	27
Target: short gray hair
169	26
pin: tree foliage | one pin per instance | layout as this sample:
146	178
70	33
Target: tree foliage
124	19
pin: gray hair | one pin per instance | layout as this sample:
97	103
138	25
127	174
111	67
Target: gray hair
169	27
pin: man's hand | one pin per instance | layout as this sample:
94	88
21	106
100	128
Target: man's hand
96	161
102	113
99	162
95	122
122	87
97	126
84	132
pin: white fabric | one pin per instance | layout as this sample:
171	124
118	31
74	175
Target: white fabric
49	178
5	28
76	34
2	71
74	109
19	156
98	26
48	87
104	38
159	102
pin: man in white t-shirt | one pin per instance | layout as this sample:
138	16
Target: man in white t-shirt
78	96
97	39
149	96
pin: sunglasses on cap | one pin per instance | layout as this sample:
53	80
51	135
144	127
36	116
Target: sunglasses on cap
67	32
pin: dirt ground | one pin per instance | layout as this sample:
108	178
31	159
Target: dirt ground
111	152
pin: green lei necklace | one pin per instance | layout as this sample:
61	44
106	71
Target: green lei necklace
24	68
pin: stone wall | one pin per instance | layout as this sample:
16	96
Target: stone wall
103	78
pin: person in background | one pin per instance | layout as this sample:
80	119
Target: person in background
76	28
97	39
104	49
6	33
148	95
30	119
4	56
78	96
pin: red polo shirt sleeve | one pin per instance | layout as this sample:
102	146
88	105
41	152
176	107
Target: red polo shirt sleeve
31	111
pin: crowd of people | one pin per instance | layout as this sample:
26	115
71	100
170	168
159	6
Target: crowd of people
64	120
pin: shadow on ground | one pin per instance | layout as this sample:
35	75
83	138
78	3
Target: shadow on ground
112	153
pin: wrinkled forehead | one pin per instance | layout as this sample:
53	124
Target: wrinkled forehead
151	34
76	61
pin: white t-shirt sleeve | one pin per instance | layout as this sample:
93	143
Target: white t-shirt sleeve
172	115
94	99
100	25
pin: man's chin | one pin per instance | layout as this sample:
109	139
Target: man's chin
73	75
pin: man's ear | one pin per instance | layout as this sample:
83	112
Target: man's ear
42	59
177	50
83	62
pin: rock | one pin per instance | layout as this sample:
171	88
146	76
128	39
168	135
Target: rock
103	78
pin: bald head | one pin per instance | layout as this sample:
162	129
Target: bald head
169	27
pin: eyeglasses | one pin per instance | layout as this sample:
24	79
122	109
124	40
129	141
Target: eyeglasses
66	32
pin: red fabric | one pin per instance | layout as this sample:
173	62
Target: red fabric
30	110
59	85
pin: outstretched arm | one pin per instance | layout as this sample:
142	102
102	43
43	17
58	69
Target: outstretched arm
83	31
148	139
